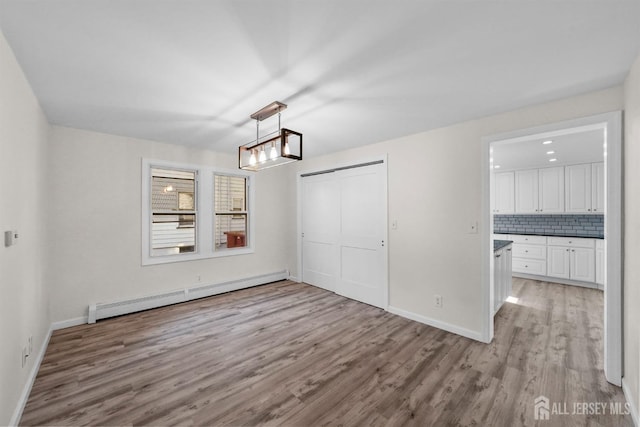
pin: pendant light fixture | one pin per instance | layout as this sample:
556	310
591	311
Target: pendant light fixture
284	145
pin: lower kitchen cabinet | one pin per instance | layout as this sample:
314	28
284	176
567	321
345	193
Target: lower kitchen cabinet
600	260
571	258
582	265
575	260
502	276
558	261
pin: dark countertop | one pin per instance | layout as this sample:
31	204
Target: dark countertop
499	244
582	236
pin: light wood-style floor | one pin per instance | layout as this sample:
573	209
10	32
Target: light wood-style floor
293	354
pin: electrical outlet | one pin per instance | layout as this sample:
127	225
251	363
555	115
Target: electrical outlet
438	301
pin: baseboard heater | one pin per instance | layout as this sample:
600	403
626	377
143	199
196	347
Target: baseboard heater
118	308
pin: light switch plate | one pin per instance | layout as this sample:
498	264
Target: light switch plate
8	238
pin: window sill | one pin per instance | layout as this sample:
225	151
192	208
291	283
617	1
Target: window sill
196	256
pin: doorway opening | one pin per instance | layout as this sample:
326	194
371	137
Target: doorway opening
556	191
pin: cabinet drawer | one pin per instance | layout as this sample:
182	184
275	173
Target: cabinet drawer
530	251
532	240
529	266
572	242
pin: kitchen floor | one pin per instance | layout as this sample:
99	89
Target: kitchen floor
293	354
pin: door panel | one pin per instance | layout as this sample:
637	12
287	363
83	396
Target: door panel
344	228
320	216
363	224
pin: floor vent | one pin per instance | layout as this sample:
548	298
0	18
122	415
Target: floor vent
118	308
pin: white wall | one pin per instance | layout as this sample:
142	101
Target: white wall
24	290
95	219
434	192
631	322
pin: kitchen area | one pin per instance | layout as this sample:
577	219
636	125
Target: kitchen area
548	204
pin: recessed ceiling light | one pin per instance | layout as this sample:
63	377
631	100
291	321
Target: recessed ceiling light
547	142
496	167
552	160
550	152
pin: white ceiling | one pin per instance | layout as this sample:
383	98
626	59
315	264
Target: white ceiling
573	148
352	72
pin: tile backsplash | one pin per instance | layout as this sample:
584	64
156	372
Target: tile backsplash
550	225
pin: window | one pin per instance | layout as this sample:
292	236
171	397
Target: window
230	195
173	214
194	212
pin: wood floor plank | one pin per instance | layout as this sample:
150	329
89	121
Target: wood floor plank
293	354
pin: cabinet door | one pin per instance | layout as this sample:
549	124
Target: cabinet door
527	191
600	266
507	272
498	280
551	186
583	265
578	188
558	260
597	187
504	193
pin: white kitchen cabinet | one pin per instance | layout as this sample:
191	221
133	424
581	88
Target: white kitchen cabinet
597	187
530	266
504	201
558	261
526	184
529	254
571	258
568	258
551	190
502	277
578	184
600	261
582	265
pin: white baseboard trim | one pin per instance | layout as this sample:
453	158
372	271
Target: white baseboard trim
631	401
69	323
118	308
26	391
294	279
558	280
467	333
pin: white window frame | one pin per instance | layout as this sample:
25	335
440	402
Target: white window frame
205	237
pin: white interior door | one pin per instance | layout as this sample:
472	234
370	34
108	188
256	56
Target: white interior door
320	216
362	248
344	223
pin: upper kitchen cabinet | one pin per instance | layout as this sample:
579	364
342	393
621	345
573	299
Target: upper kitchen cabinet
540	190
551	190
597	187
504	193
527	191
578	188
